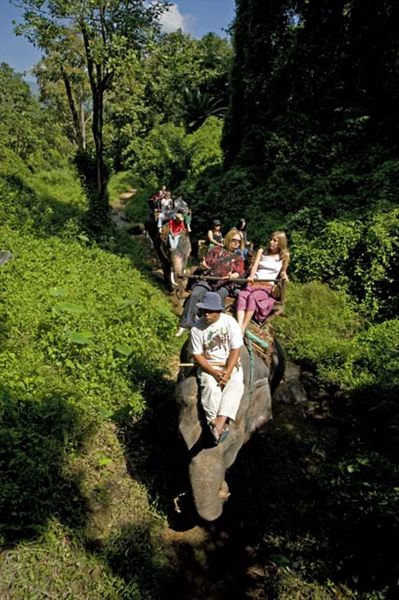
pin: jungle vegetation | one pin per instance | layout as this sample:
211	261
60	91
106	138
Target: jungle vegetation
292	123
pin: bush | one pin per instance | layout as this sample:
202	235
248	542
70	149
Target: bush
320	325
82	316
359	255
204	148
162	156
46	202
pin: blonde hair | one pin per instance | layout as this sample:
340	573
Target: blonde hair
282	243
229	236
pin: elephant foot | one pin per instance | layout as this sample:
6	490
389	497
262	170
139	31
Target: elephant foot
224	492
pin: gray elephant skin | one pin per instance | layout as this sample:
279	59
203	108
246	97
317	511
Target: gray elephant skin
208	463
174	261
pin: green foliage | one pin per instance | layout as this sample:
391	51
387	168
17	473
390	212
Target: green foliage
198	107
321	324
60	564
323	332
26	129
137	208
162	156
120	183
81	323
358	255
376	356
178	63
45	203
361	494
36	435
204	148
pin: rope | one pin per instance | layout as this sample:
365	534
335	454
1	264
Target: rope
254	338
251	363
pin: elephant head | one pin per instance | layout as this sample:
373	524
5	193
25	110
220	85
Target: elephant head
208	463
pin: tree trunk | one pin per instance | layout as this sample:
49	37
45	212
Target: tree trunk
96	181
75	118
99	206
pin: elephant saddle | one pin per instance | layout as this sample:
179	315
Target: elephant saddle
260	339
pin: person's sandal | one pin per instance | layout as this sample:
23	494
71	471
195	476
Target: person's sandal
180	331
223	435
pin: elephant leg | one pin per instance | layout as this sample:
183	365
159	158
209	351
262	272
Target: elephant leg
277	368
166	266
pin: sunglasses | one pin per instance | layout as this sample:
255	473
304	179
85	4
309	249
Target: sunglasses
236	240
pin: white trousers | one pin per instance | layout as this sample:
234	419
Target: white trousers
221	401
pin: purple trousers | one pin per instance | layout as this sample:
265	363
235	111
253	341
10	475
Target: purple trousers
257	299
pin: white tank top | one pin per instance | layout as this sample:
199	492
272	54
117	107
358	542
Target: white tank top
269	267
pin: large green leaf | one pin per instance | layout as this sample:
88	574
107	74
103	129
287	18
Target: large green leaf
68	307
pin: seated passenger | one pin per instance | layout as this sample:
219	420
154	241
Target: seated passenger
248	246
256	299
215	342
167	210
182	207
242	227
225	263
154	202
215	235
173	229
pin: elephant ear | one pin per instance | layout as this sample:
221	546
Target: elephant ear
188	405
255	408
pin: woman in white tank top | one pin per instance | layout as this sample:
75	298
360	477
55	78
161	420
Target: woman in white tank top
256	301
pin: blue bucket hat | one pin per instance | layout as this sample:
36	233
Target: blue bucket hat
211	301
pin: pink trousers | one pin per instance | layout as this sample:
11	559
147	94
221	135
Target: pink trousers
257	299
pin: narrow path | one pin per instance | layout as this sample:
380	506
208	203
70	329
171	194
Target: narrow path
221	560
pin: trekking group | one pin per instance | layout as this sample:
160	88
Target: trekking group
228	267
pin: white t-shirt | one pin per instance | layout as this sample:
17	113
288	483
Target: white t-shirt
216	341
269	267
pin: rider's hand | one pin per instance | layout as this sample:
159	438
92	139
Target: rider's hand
225	376
217	374
234	275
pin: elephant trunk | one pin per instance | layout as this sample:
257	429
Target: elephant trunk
177	263
208	486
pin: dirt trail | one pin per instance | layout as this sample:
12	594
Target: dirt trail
218	560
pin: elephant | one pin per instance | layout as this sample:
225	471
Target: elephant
207	462
174	261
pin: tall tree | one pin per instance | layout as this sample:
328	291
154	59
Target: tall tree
65	89
108	29
259	32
